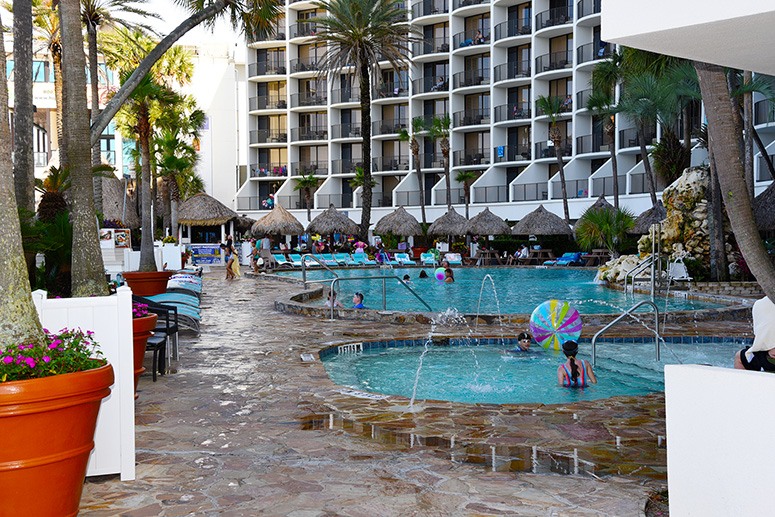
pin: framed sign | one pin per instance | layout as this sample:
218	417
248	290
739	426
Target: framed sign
106	238
206	253
122	238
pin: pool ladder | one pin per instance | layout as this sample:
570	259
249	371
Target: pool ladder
628	312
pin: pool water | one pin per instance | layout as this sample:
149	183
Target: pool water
519	291
490	374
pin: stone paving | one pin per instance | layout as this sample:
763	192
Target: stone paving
245	428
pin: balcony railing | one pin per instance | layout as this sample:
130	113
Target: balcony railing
513	70
472	78
297	201
267	170
432	160
638	183
391	89
303	29
308	99
429	7
264	102
491	194
764	171
554	61
573	188
271	67
388	126
40	159
479	156
305	64
513	111
763	112
267	136
346	95
276	33
629	137
391	163
410	198
471	117
377	199
430	84
468	38
529	191
338	200
511	153
305	168
346	166
456	195
556	16
252	203
592	51
511	28
595	143
605	186
430	46
309	133
566	105
456	4
544	150
352	130
582	98
587	7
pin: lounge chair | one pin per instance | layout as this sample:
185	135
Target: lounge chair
295	259
362	258
385	257
454	258
404	260
428	259
176	299
329	259
344	259
281	260
570	259
676	271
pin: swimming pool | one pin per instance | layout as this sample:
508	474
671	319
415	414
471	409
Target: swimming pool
519	291
460	370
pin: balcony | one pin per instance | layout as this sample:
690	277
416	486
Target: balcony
511	153
471	117
629	137
491	194
431	160
268	170
469	38
276	33
566	105
305	168
346	166
530	191
388	126
352	130
389	90
267	102
509	29
378	198
305	64
429	7
513	111
391	163
410	198
587	7
304	99
573	188
605	185
513	70
553	17
476	77
457	4
471	157
430	46
309	133
544	150
593	51
252	203
456	195
430	84
272	67
763	112
268	136
592	144
582	98
764	171
554	61
296	201
338	200
341	95
303	29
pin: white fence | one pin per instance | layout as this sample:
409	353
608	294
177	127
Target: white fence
110	318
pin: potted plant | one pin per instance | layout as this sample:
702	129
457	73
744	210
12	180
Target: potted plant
50	395
169	239
143	324
185	255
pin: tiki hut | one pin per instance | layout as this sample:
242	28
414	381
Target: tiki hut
541	222
203	210
243	224
399	222
487	223
764	209
332	221
651	216
277	222
117	205
601	203
450	223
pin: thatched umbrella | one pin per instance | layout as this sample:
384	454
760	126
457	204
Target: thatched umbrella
450	223
651	216
601	203
398	222
541	222
487	223
113	201
203	210
243	223
764	209
277	222
332	221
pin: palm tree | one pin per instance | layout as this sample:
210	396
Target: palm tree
360	179
604	227
175	159
23	169
466	178
307	183
418	125
441	129
552	107
360	34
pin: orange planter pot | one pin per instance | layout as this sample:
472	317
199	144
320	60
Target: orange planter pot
148	283
47	429
142	329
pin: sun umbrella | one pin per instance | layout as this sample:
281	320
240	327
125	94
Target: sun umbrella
648	218
203	210
243	223
487	223
277	222
398	222
450	223
541	222
332	221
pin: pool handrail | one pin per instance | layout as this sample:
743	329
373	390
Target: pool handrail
336	281
640	267
304	267
622	315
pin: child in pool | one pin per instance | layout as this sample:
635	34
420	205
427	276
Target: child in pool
449	276
407	280
523	340
574	372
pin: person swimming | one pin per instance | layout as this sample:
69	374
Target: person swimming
423	274
407	280
574	373
449	276
523	343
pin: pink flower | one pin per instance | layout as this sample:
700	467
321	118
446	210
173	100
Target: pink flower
7	359
30	362
46	359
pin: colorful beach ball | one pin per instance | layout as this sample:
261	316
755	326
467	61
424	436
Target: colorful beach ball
554	322
439	273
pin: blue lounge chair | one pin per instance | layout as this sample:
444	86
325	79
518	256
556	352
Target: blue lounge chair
176	299
428	259
329	260
385	258
573	259
454	258
281	260
344	259
295	259
362	258
404	260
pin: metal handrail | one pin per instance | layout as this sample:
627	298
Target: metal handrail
622	315
304	267
634	272
336	281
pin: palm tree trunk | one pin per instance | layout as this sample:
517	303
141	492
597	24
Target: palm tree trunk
720	113
445	154
748	133
614	165
88	271
96	159
558	153
59	97
467	193
18	314
420	182
718	253
307	199
174	199
647	164
23	170
147	261
365	84
687	127
167	205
